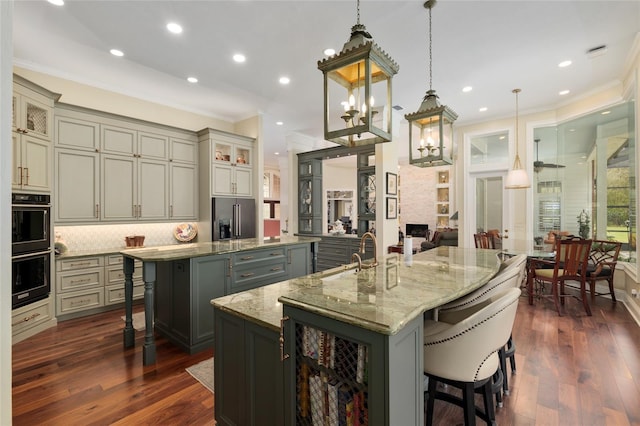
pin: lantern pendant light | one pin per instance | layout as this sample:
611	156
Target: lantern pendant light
433	121
357	91
517	177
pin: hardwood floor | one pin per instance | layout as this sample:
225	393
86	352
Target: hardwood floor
571	370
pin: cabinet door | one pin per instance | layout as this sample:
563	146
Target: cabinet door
77	183
208	280
153	146
118	140
16	163
119	181
243	178
222	177
183	202
77	134
31	116
36	164
298	260
153	189
183	151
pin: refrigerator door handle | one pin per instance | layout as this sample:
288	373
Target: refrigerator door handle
239	222
234	224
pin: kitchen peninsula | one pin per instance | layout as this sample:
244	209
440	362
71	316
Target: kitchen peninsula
350	337
184	278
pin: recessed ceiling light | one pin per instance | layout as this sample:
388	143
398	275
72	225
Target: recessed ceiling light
239	58
192	79
572	130
329	52
483	109
116	52
56	2
276	153
564	64
467	89
501	137
279	123
174	28
563	92
284	80
605	112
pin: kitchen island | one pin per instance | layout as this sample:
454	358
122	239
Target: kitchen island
350	337
180	281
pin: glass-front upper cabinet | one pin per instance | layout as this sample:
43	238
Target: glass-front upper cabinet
233	154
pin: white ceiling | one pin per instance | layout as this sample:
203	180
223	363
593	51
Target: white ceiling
493	46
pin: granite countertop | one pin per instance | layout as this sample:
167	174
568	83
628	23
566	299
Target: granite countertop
382	299
187	251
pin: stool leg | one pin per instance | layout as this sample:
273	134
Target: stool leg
431	397
503	366
469	404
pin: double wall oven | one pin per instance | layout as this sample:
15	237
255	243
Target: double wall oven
30	248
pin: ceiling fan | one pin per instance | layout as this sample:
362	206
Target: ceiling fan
539	165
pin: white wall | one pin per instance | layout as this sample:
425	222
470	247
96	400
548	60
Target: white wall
6	87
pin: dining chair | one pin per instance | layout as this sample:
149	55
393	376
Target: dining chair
464	355
484	240
570	264
602	264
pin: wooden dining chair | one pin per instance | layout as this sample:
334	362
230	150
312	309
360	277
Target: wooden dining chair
602	264
484	240
570	264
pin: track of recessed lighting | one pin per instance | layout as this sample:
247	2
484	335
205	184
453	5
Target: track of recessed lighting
174	28
284	80
116	52
239	58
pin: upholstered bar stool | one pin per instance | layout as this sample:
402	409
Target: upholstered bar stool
465	355
463	307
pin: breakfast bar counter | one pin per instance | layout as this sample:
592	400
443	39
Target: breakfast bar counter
305	326
180	281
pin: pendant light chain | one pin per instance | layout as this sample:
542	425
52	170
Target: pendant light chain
358	12
430	54
516	91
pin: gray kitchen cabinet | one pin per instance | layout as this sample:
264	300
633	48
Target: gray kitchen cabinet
77	186
183	291
110	168
375	371
299	260
183	191
250	371
256	268
337	251
32	125
134	188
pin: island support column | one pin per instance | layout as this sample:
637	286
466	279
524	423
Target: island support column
128	332
149	348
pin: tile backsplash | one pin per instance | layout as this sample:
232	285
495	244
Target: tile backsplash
103	237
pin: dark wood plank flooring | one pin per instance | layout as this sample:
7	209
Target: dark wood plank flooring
571	370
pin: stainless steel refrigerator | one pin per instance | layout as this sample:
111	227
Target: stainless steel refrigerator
233	218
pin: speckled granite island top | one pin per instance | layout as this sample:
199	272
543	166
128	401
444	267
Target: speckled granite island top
187	251
382	299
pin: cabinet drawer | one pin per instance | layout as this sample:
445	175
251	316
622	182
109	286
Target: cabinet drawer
30	315
79	301
249	257
115	293
266	272
79	263
115	275
75	280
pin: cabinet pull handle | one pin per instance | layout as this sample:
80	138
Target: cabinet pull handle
250	274
289	256
171	210
139	210
30	317
80	264
275	253
97	211
84	280
26	172
20	172
229	269
283	356
276	269
246	258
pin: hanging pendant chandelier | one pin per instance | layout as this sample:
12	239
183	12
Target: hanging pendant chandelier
431	127
517	177
357	91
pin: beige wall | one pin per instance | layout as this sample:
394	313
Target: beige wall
102	100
